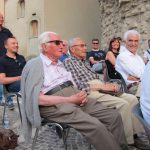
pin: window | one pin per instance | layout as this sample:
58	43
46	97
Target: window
21	9
34	28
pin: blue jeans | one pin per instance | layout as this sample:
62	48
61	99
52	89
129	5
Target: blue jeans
13	87
1	92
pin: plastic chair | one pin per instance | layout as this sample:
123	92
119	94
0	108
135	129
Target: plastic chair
62	131
137	112
6	95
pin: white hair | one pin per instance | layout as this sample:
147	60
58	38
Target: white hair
73	41
131	32
44	37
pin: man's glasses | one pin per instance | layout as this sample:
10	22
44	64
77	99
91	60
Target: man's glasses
95	43
80	45
57	42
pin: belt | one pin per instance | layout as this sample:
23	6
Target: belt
132	84
59	87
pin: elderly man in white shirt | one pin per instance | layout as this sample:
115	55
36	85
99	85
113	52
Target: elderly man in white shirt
130	64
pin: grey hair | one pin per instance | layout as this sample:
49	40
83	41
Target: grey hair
73	41
44	37
131	32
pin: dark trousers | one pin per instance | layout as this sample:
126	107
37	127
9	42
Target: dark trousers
13	87
101	126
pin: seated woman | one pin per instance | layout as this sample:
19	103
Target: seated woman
113	52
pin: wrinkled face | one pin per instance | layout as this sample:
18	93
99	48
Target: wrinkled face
95	45
1	19
115	44
53	47
78	50
12	45
132	43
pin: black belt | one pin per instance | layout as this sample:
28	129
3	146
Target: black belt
132	84
59	87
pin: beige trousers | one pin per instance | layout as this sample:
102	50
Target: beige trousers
124	104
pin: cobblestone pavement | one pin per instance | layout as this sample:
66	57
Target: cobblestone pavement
48	139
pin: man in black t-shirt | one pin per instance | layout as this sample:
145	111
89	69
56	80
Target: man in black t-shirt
4	34
96	56
11	66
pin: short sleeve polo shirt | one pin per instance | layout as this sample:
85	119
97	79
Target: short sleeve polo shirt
12	67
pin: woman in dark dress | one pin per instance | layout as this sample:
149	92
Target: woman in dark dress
110	59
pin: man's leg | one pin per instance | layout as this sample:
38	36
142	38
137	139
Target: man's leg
114	124
132	100
95	131
122	106
14	87
1	94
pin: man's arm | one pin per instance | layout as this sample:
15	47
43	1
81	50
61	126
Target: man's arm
8	80
48	100
124	62
91	59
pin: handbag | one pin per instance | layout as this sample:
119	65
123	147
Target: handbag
8	139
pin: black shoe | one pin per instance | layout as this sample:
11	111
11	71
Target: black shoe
140	144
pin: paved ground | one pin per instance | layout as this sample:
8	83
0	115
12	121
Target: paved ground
48	139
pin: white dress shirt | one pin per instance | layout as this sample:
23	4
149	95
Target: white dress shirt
145	93
54	74
129	64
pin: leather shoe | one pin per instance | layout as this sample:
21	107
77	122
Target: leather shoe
138	143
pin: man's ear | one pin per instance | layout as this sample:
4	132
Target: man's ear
72	50
43	46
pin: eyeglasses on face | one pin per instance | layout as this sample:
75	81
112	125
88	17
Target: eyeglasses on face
95	43
57	42
80	45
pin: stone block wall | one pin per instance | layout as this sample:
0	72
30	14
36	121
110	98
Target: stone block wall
118	16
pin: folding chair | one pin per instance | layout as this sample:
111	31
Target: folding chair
137	112
62	131
6	95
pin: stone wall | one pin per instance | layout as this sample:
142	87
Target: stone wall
117	16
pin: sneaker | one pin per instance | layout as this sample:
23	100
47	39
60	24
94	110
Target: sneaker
11	105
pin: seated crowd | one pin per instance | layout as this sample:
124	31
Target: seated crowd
68	89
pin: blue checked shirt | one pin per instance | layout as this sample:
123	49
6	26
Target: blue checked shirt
81	72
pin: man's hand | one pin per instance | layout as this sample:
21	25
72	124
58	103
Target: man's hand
79	98
105	87
110	87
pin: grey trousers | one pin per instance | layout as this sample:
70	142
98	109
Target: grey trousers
101	126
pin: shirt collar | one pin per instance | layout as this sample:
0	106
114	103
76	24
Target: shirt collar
131	54
47	61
